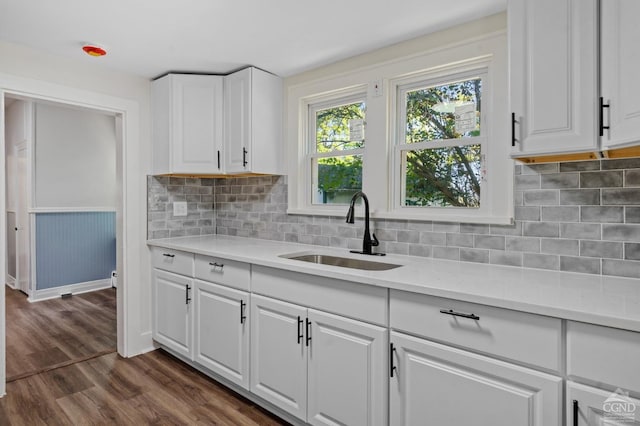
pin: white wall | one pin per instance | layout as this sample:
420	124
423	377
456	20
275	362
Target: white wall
35	73
75	158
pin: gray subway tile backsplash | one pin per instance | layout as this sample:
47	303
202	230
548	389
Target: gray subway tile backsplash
577	216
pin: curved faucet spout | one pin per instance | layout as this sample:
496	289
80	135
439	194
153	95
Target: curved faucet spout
367	241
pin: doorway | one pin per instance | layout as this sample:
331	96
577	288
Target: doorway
133	305
61	199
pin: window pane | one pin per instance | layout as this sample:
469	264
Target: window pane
336	179
448	111
442	177
340	127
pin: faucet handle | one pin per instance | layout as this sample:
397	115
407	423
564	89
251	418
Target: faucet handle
375	241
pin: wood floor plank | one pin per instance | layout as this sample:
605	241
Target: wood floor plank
61	377
50	333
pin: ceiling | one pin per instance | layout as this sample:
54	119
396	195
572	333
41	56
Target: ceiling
286	37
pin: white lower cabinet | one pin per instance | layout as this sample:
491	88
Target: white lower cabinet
588	406
173	311
434	384
320	367
221	330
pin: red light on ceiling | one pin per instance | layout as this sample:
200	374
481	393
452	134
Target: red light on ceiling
92	50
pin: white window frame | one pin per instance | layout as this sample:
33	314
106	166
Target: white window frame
379	80
315	104
399	87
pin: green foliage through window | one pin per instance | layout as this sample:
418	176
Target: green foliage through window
338	130
444	176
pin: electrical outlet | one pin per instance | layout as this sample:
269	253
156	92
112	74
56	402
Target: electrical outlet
179	208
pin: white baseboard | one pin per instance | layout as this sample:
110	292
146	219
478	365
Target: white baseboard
10	282
146	344
52	293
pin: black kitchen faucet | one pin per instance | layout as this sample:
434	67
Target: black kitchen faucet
367	242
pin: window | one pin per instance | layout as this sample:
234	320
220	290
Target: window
439	142
425	136
335	153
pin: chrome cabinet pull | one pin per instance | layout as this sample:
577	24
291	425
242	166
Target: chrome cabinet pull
459	314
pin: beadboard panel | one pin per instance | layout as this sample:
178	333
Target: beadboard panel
74	247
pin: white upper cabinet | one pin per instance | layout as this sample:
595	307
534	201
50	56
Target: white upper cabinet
620	34
553	76
253	122
187	124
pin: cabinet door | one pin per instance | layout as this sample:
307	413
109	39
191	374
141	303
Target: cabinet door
455	387
347	374
237	111
173	311
197	123
620	66
221	331
553	75
278	354
587	406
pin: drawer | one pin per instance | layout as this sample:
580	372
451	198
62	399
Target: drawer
352	300
603	355
223	271
526	338
175	261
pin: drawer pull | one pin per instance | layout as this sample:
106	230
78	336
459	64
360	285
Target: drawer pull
459	314
575	412
168	255
216	265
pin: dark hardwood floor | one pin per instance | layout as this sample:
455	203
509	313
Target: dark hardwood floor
153	388
58	332
62	369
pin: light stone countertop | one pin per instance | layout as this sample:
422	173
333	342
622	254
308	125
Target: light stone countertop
596	299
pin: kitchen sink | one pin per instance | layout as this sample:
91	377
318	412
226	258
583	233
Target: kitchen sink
344	262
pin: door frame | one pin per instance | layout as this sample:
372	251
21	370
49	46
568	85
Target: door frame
130	212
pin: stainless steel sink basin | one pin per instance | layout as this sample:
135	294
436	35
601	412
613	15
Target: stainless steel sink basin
344	262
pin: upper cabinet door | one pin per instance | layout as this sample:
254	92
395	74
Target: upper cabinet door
238	126
553	75
187	124
197	122
620	34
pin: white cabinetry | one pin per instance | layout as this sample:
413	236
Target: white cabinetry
278	355
173	311
452	386
588	406
222	331
553	76
606	357
187	124
620	65
320	367
253	122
